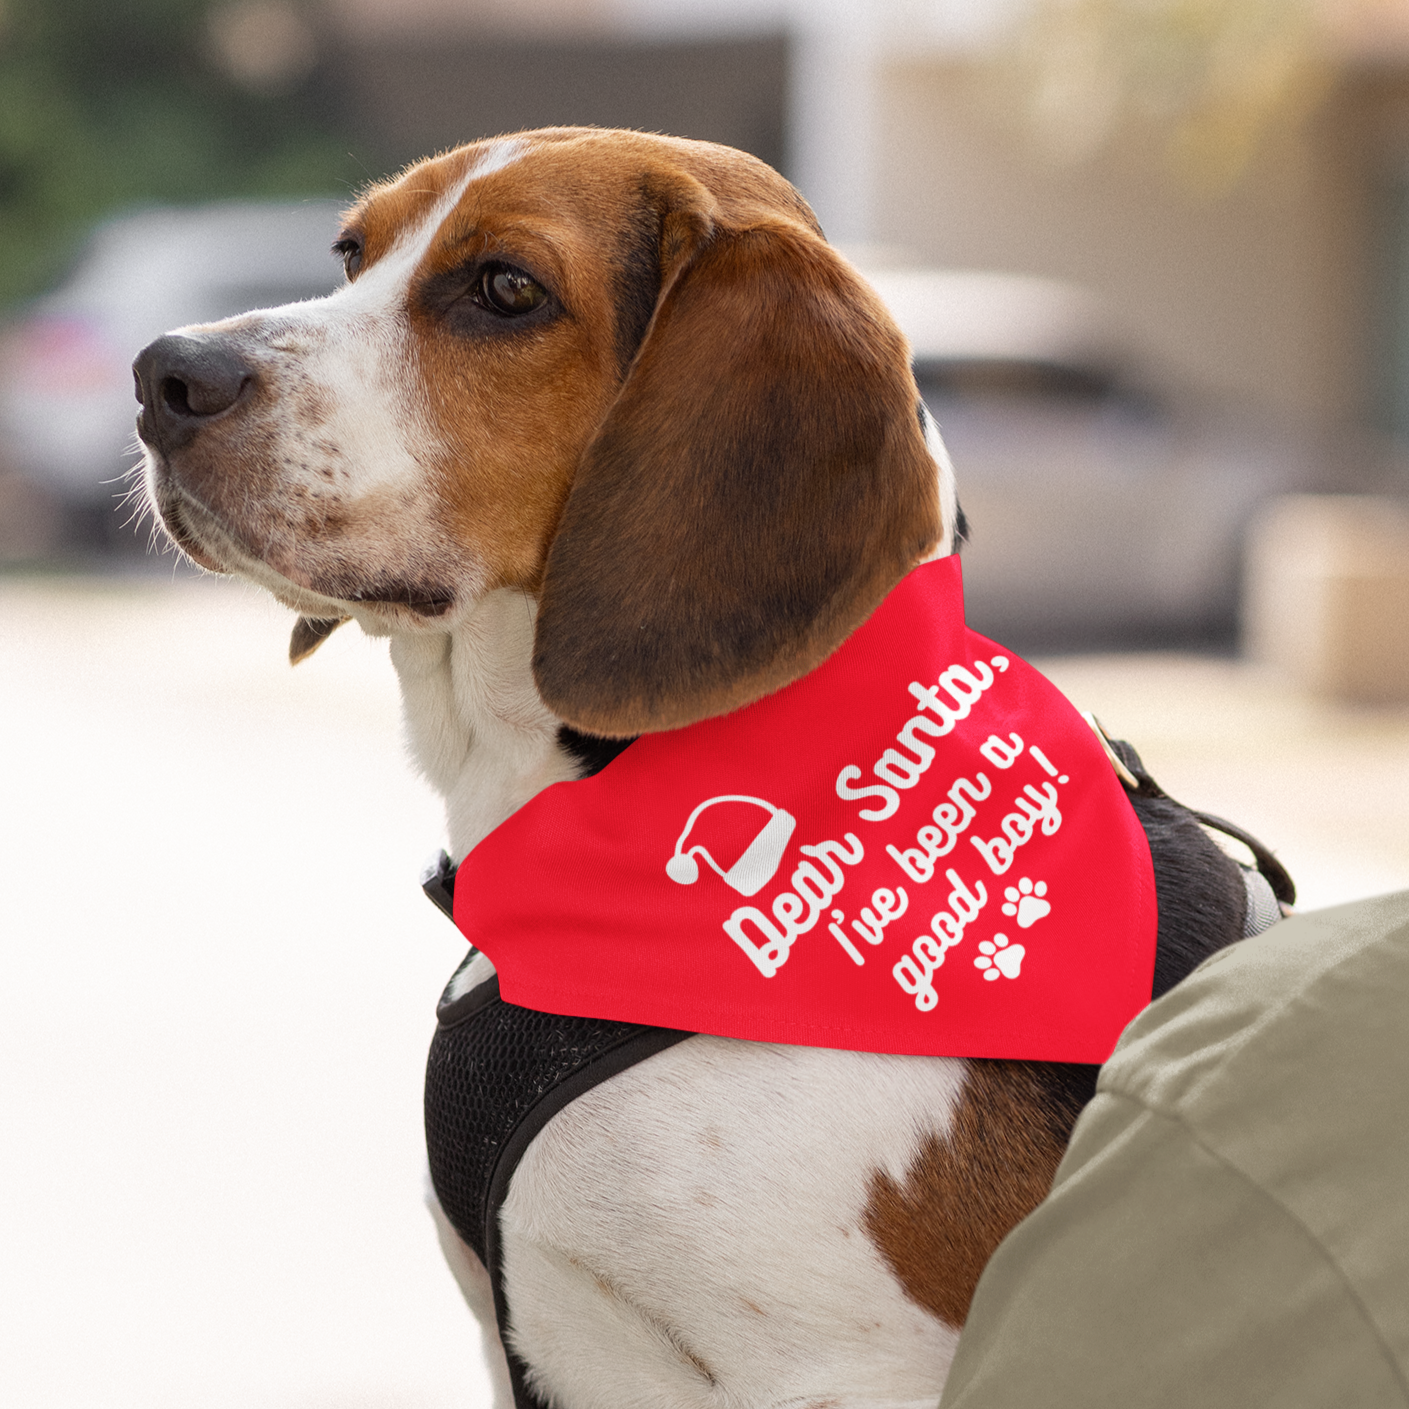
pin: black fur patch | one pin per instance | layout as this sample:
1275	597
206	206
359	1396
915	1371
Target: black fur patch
637	282
591	752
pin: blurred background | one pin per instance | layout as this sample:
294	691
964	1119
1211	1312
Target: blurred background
1153	260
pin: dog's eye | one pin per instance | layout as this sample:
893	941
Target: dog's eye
349	249
509	291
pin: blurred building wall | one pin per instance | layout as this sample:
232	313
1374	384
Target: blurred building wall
1260	292
1374	149
412	93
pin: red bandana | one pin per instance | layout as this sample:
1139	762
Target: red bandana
919	847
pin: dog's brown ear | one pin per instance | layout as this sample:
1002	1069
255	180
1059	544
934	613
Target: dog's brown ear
309	633
759	485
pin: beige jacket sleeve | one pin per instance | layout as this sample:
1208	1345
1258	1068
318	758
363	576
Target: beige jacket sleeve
1230	1226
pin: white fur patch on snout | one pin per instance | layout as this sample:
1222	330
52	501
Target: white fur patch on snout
326	478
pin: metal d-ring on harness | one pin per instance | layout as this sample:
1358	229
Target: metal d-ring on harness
498	1073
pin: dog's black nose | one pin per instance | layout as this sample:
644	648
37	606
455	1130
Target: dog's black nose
182	383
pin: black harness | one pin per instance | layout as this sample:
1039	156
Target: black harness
496	1075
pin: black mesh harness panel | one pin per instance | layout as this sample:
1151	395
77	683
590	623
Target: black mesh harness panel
497	1074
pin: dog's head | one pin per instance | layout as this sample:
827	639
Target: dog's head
622	373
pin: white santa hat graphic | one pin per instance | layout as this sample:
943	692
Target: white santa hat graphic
760	858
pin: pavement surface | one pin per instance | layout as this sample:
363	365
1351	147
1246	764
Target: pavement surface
219	978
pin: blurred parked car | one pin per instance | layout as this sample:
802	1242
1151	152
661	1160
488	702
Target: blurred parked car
66	403
1101	512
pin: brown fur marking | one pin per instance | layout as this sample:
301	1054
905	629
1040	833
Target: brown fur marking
961	1196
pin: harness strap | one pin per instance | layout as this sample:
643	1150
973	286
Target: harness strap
1133	775
496	1075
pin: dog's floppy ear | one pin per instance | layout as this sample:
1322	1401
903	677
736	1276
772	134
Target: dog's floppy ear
759	485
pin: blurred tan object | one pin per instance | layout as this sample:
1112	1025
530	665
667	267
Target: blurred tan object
30	521
1327	595
264	45
1368	31
1210	78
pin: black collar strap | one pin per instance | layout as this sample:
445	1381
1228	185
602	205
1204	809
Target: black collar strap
438	882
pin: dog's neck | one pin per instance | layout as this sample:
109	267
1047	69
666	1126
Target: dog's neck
474	722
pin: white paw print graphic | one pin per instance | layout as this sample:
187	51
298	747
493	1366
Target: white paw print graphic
1025	902
997	956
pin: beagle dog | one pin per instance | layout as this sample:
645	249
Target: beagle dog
607	440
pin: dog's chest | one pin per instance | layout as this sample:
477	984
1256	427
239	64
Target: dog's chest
694	1232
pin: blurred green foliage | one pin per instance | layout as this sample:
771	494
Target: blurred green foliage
111	103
